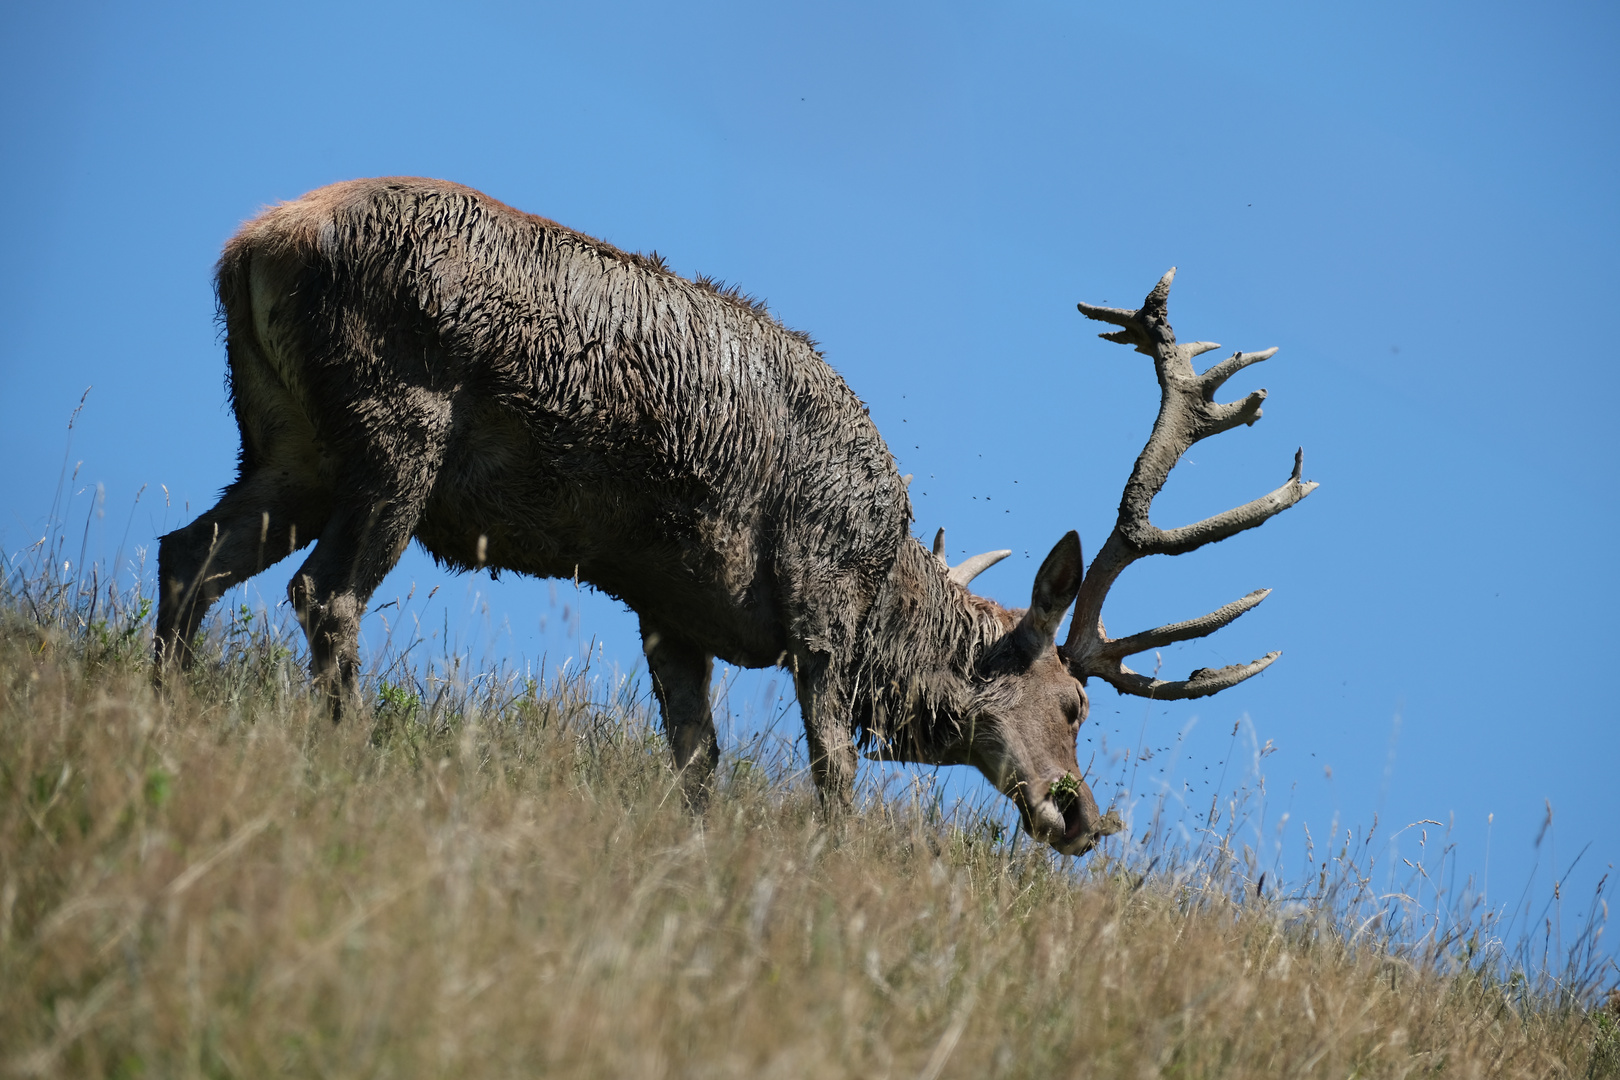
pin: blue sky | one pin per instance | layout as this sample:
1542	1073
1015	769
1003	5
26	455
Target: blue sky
1415	202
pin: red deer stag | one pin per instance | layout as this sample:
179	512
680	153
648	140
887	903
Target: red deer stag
410	358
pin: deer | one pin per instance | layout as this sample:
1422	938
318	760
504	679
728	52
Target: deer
411	358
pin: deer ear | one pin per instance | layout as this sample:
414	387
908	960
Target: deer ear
1057	583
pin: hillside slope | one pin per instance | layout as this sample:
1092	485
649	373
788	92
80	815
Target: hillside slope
502	883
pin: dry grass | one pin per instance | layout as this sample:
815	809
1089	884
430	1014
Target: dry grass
502	883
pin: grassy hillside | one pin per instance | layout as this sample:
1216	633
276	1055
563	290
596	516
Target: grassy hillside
501	882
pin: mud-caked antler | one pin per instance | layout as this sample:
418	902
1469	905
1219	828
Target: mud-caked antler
1188	412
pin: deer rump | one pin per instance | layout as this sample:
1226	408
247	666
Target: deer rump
411	358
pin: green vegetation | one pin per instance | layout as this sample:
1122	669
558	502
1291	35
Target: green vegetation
1065	789
502	882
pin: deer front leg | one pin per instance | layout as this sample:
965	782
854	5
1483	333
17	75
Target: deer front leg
828	731
680	677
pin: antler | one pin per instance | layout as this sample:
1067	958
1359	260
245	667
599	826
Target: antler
970	568
1188	412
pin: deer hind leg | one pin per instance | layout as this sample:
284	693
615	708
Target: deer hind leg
279	503
376	505
266	515
680	677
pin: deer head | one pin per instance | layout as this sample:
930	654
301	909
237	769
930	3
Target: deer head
1024	738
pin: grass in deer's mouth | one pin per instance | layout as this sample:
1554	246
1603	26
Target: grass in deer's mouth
1065	790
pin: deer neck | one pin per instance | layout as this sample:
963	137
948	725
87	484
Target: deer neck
922	639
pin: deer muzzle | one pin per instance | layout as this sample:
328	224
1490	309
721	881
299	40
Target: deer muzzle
1062	812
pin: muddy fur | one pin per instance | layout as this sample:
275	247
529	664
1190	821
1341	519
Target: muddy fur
411	358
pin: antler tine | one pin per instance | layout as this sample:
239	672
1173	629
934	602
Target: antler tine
1148	327
1215	376
1201	683
1188	413
1161	636
970	568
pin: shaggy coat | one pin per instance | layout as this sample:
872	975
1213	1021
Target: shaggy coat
413	358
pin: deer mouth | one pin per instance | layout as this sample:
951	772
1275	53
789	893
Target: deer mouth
1074	821
1083	825
1068	796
